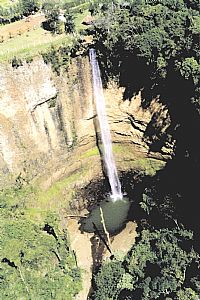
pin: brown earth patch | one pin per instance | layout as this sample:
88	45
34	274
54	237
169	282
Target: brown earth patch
19	27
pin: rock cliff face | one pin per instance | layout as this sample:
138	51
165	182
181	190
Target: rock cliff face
129	122
45	118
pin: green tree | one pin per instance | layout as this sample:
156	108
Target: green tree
52	16
159	32
69	23
107	279
189	67
187	294
29	6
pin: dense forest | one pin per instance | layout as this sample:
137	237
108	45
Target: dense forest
153	46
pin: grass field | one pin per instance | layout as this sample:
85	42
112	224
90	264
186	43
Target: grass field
7	3
33	41
29	44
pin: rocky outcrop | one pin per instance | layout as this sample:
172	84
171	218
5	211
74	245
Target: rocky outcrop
131	123
44	118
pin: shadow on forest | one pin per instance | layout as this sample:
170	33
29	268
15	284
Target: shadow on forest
180	177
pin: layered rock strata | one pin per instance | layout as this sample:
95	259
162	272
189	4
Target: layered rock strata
45	119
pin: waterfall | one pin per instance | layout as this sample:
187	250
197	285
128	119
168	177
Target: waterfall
109	161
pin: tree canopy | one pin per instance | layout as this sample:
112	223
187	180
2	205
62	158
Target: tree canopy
163	34
157	267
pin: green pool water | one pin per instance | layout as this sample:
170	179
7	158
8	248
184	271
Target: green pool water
115	215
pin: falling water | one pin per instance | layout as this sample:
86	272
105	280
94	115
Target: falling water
115	185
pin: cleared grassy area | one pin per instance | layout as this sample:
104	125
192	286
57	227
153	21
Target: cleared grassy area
30	44
79	18
7	3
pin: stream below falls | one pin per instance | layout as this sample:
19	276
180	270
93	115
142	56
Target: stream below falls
90	251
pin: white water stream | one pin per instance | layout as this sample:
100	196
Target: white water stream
115	185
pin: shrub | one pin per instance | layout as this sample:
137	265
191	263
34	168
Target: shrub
16	62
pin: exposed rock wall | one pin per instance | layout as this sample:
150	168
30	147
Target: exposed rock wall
45	118
42	116
131	123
